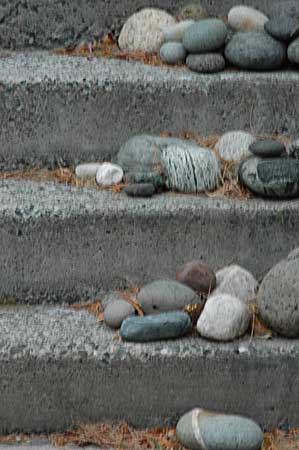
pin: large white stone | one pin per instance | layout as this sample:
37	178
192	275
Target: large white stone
143	30
87	170
234	145
224	318
236	281
109	174
174	33
245	18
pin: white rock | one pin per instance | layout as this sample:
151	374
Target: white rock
143	30
245	18
88	170
224	318
109	174
236	281
234	145
174	33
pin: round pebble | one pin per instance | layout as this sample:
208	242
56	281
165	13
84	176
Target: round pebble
197	276
109	174
205	36
234	145
267	149
283	28
140	190
174	33
87	170
173	53
293	51
245	18
206	63
116	312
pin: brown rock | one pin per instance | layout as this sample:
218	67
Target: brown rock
197	276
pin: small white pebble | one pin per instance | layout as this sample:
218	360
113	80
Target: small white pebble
88	170
109	174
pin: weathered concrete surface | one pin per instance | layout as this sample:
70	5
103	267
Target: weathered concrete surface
58	367
66	244
50	23
62	109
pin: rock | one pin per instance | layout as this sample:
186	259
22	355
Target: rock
293	52
173	53
271	177
156	327
234	145
278	297
267	148
194	10
283	28
141	154
88	170
116	312
206	430
140	190
197	276
143	30
205	36
237	282
293	149
255	51
245	18
154	178
109	174
224	318
174	33
206	62
166	295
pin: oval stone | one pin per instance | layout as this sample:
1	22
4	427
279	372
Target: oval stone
271	177
173	53
267	149
293	51
109	174
87	170
205	36
166	295
116	312
140	190
255	51
245	18
156	327
174	33
206	62
154	178
197	276
283	28
234	145
238	282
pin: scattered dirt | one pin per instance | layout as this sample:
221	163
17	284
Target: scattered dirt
94	308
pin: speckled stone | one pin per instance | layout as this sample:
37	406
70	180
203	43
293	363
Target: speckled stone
206	62
245	18
234	145
140	190
116	312
197	276
194	10
205	36
267	148
156	327
173	53
174	33
255	51
238	282
293	51
283	28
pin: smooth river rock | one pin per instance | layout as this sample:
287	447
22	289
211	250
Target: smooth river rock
271	177
109	174
166	295
174	33
283	28
245	18
206	62
293	51
116	312
141	154
140	190
255	51
293	149
153	178
267	148
205	36
173	53
234	145
207	430
197	276
170	325
238	282
87	170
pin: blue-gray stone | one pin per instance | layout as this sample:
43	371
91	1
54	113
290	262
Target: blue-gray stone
116	312
205	36
284	28
271	177
140	190
255	51
206	62
156	327
267	148
173	53
154	178
293	52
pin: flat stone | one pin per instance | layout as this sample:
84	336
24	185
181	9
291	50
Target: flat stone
166	295
206	62
245	18
255	51
174	33
143	30
173	53
267	148
87	170
116	312
207	430
109	174
156	327
293	51
140	190
234	145
205	36
271	177
283	27
194	10
197	276
224	318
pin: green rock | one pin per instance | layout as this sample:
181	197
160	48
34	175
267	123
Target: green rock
173	53
205	36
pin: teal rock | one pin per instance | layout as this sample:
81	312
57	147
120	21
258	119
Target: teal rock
267	148
194	10
173	53
206	62
205	36
166	295
293	51
205	430
155	328
283	28
255	51
116	312
140	190
154	178
271	177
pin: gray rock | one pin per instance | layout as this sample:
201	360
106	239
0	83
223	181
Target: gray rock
245	18
234	145
293	149
166	295
156	327
271	177
109	174
267	148
194	10
116	312
197	276
87	170
206	62
284	28
205	36
173	53
238	282
224	318
154	178
140	190
141	154
293	52
206	430
174	33
255	51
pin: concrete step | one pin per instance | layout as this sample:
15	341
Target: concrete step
61	243
59	367
45	24
65	109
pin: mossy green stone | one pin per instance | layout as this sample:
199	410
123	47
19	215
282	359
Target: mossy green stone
205	36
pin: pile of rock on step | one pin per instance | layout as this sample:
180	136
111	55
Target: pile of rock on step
249	39
148	164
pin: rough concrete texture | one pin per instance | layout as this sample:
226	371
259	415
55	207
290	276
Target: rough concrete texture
62	243
49	23
62	109
59	367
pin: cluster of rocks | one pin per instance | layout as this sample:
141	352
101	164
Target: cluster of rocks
249	39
